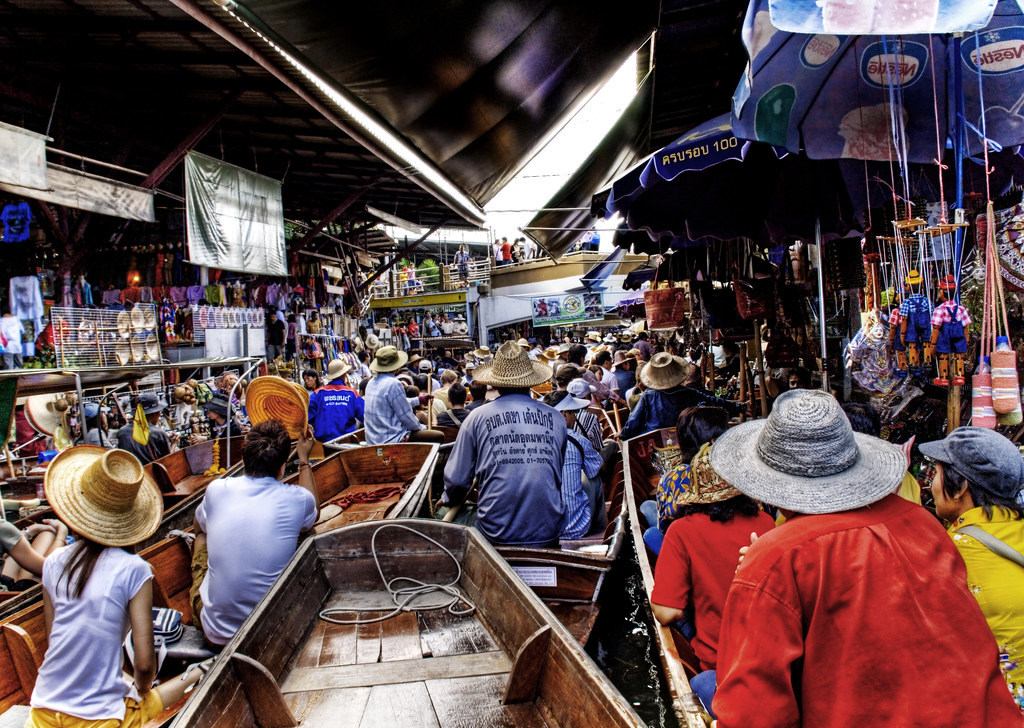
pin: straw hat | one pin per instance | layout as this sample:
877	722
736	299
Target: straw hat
512	368
663	371
123	352
372	342
149	319
523	343
42	414
152	348
388	359
337	369
621	357
481	352
564	348
273	398
593	336
806	458
706	485
550	353
138	318
610	339
105	495
124	324
414	359
138	350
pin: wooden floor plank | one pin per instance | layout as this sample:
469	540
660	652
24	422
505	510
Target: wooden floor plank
443	634
339	642
400	638
310	654
368	640
407	706
329	708
303	679
475	702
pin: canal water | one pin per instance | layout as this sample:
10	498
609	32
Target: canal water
623	643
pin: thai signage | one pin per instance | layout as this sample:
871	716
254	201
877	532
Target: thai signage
567	308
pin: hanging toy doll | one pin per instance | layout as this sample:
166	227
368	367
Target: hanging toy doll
167	316
896	337
949	334
915	324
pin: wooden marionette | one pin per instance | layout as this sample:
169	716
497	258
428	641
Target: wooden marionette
896	335
950	335
915	324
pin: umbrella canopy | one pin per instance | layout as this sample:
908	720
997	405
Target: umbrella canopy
877	97
853	18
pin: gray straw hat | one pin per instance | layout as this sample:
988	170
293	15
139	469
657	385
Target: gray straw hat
806	458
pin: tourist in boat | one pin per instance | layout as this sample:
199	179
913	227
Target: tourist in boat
388	416
335	409
513	449
478	393
976	486
582	491
23	552
247	529
159	443
216	410
461	327
426	368
455	415
442	401
96	422
577	353
93	591
665	397
697	560
845	614
585	422
603	361
624	364
644	346
311	380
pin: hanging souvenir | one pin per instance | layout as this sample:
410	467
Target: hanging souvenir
915	324
950	334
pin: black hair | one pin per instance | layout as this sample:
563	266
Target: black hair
697	426
565	374
478	390
722	511
265	449
362	386
577	353
80	565
642	336
803	376
553	398
513	390
311	373
602	357
412	391
456	394
986	500
863	418
420	381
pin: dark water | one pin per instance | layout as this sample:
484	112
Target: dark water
623	644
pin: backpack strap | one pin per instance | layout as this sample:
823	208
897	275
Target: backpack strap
994	544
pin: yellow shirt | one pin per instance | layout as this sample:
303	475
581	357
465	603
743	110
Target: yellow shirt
998	585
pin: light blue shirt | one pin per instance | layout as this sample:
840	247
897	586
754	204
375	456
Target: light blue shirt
387	414
578	460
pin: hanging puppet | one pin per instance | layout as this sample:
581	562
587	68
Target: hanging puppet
915	324
896	336
950	322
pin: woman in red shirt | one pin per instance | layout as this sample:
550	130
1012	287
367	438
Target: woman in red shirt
698	559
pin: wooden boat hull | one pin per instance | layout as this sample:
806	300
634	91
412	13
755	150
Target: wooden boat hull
641	481
510	663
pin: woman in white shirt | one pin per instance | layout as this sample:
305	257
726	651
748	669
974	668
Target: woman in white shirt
94	590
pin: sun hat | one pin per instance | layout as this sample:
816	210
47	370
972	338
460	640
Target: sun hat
149	319
470	364
564	348
523	342
138	318
550	353
372	342
425	365
610	339
806	458
580	389
123	352
626	338
152	348
663	371
388	359
984	457
568	403
218	403
41	412
151	403
593	336
274	398
413	359
913	277
706	485
621	357
104	495
481	352
337	369
512	368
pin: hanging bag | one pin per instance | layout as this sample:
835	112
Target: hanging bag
755	294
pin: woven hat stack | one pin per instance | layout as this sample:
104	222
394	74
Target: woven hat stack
512	368
104	495
663	371
806	458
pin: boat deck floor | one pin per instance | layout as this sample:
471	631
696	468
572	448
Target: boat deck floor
355	512
427	668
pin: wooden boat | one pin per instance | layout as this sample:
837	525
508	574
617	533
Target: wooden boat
507	663
346	442
677	659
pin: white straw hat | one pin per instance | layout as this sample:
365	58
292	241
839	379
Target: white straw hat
512	368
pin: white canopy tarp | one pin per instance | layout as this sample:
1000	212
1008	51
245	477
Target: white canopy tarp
83	191
22	157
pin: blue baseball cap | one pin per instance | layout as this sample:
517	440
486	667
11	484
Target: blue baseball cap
984	457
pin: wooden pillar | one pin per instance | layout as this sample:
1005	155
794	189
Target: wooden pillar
759	368
744	373
953	408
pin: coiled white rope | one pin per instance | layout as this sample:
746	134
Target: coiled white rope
402	596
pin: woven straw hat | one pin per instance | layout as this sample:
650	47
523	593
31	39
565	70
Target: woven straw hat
372	342
524	343
593	336
337	369
138	318
481	352
621	357
105	495
550	353
124	324
42	414
273	398
512	368
663	371
706	485
152	348
149	319
388	359
806	458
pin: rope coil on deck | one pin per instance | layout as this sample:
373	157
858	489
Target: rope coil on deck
402	596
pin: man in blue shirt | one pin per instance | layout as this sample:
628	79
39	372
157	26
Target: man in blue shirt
513	449
335	409
388	415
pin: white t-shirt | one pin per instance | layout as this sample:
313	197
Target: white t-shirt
252	527
12	329
81	673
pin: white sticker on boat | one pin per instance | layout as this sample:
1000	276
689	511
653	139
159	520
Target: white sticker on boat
537	575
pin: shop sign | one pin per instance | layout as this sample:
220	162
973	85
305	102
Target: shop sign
437	299
567	308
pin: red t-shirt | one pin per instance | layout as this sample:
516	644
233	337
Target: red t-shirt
506	251
697	561
860	618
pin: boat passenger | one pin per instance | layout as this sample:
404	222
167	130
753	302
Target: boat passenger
697	561
577	353
644	346
23	552
585	422
94	590
455	415
977	482
441	401
624	363
216	410
335	409
311	378
665	397
388	416
478	391
96	421
841	617
159	443
513	448
247	529
582	491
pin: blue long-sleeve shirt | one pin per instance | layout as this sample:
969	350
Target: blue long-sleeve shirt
334	410
660	408
387	414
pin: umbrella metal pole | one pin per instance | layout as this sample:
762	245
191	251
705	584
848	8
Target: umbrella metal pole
759	368
821	302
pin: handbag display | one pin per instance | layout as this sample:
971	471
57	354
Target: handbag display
782	351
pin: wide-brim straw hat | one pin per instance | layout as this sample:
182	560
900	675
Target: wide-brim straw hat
593	336
806	458
336	369
274	398
706	485
149	319
621	357
152	348
523	343
123	352
481	352
389	359
124	324
41	412
512	368
138	318
664	371
414	359
138	350
372	342
550	354
104	495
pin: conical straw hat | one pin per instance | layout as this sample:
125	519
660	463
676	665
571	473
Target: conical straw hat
512	368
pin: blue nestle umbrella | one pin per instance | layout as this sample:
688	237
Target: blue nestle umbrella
843	96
